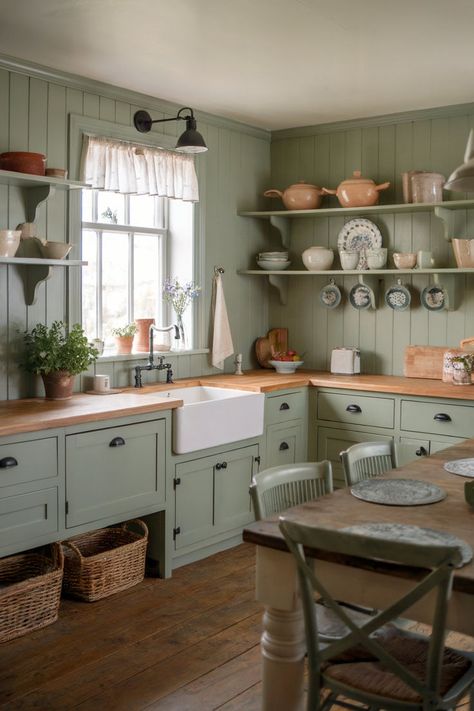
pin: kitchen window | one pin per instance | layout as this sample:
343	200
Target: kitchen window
132	243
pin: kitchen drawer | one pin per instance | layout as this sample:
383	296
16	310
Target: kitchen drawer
26	516
113	471
28	461
356	409
331	442
437	418
285	406
284	444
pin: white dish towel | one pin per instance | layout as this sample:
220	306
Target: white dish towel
222	346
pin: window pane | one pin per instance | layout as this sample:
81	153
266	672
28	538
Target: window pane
115	282
89	284
110	207
147	277
142	210
87	202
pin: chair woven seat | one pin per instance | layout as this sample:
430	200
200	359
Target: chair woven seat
371	675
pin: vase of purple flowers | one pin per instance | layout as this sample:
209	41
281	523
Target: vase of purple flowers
180	296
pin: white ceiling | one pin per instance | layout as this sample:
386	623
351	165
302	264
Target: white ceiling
270	63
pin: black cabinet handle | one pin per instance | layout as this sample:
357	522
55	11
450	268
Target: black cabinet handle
8	462
442	417
283	446
284	406
421	452
353	408
218	465
224	465
117	442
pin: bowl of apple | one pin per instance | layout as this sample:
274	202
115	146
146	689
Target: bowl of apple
286	362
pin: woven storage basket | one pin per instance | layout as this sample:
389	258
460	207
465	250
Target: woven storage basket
30	591
103	562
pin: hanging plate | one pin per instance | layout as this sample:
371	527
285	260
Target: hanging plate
358	235
330	295
398	297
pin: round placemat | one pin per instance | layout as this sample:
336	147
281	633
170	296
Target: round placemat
463	467
398	492
413	534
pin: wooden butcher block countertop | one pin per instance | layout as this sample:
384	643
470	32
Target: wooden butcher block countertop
33	414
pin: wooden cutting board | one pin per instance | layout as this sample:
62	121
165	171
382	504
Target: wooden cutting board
275	340
424	361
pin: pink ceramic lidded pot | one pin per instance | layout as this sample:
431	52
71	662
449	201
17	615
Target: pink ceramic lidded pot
357	191
299	196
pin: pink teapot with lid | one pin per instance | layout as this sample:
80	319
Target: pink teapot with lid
357	191
299	196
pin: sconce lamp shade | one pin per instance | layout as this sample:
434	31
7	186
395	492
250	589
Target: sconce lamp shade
462	179
190	141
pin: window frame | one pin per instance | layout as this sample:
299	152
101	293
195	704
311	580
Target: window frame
79	126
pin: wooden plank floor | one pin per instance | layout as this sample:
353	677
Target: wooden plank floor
190	643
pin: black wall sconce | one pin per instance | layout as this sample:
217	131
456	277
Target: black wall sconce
190	141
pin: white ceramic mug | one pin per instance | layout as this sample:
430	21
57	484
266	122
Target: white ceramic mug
101	383
424	260
349	258
376	258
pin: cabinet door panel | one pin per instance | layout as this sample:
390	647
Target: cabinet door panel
232	507
115	470
332	442
25	516
284	444
409	450
194	514
438	446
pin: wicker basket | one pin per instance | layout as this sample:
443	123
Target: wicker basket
103	562
30	591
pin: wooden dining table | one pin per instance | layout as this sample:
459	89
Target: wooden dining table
366	582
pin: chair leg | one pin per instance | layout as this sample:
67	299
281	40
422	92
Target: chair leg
471	699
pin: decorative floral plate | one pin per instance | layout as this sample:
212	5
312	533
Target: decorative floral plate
397	492
358	235
398	297
330	295
361	297
463	467
433	298
413	534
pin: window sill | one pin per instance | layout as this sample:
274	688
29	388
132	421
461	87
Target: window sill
108	357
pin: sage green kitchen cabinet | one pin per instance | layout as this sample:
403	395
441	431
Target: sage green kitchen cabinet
212	495
286	424
410	449
114	470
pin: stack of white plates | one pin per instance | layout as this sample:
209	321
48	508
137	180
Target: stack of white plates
273	260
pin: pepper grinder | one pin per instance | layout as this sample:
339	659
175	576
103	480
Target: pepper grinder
238	364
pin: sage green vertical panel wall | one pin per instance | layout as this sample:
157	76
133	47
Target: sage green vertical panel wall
34	115
382	149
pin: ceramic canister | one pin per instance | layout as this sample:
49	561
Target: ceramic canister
448	365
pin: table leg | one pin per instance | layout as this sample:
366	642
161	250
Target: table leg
283	651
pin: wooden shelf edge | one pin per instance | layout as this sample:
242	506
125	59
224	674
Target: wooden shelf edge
27	180
353	272
31	261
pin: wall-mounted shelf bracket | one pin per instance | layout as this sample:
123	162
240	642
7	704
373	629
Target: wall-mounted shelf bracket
33	198
282	224
281	285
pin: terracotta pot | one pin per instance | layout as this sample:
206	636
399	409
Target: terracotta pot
124	344
142	336
23	162
58	385
299	196
357	191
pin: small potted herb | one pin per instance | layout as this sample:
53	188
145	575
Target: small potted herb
462	369
124	337
58	355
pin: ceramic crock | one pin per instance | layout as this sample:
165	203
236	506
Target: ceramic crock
357	191
299	196
318	258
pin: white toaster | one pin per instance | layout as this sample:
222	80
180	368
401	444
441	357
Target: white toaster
345	361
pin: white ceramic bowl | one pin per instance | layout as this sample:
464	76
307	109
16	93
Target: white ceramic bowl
318	258
55	250
285	366
272	264
9	242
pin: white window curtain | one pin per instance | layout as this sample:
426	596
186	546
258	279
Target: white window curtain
123	167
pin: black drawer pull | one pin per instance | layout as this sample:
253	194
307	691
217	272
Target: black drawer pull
284	406
421	452
442	417
218	465
353	408
117	442
224	465
8	462
283	446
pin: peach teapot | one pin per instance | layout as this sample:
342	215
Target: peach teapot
357	191
299	196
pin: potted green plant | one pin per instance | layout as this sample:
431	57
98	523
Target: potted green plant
462	369
58	355
124	337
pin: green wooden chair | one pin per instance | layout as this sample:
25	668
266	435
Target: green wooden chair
368	459
278	488
384	668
